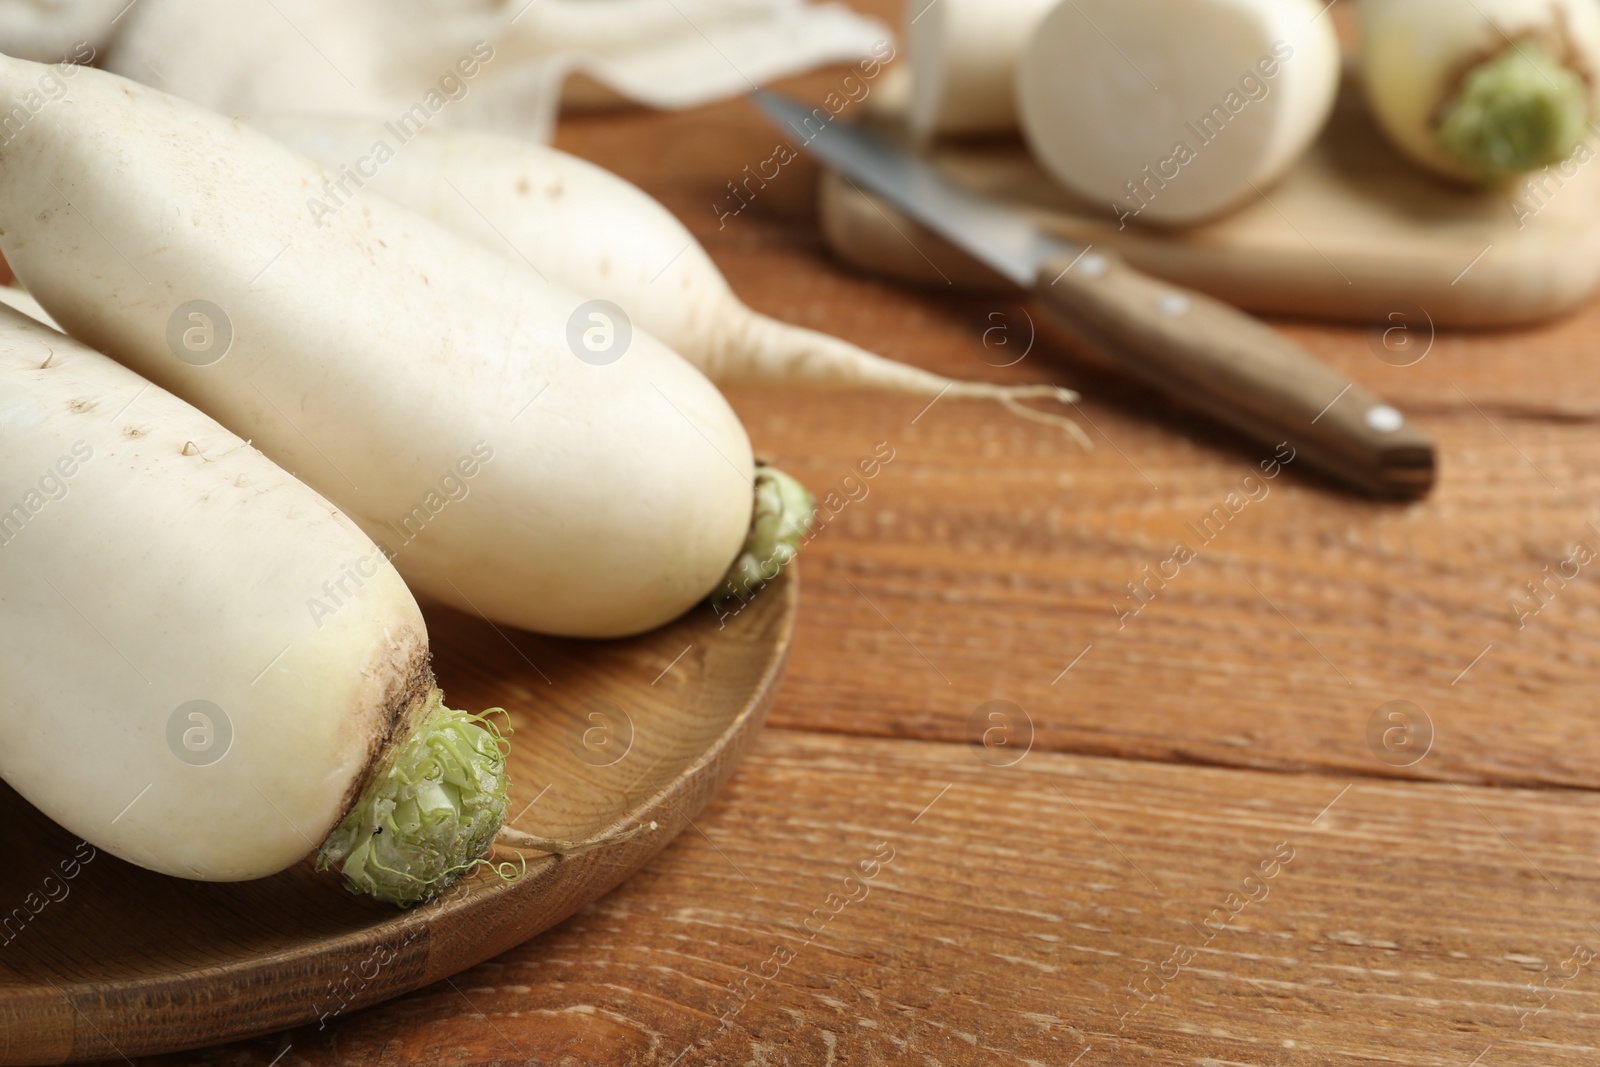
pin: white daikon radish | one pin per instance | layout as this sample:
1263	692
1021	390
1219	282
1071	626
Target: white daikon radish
964	56
173	693
1482	90
516	456
1171	111
585	228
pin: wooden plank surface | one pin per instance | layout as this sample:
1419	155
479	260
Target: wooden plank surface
998	551
1151	914
1422	914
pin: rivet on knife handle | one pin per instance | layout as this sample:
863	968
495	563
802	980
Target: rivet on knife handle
1215	358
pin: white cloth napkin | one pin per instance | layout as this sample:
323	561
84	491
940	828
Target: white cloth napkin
496	64
49	31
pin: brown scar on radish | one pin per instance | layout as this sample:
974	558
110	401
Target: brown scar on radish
396	714
81	405
189	449
133	431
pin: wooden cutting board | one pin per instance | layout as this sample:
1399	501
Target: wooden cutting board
1352	233
120	962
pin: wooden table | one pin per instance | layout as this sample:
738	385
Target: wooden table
1209	854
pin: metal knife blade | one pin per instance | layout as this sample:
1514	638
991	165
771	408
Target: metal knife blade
1002	238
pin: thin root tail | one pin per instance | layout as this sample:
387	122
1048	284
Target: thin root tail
1011	397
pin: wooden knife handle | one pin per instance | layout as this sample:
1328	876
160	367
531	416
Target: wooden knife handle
1232	367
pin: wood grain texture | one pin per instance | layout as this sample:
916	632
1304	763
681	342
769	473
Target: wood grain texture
990	554
101	958
1029	913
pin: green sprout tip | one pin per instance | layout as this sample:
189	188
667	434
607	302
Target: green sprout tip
1519	111
780	521
430	813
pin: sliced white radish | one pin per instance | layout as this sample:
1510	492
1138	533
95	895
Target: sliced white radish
585	228
1171	111
1482	89
519	456
963	56
175	692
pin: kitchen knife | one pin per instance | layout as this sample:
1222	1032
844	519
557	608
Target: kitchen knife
1199	351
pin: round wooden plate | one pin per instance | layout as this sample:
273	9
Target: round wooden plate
117	961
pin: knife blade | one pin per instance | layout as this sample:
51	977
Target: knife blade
1199	351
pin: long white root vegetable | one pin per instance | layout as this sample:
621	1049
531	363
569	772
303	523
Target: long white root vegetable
516	456
963	56
587	229
1481	90
1172	111
172	693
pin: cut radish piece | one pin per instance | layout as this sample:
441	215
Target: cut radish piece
1171	111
